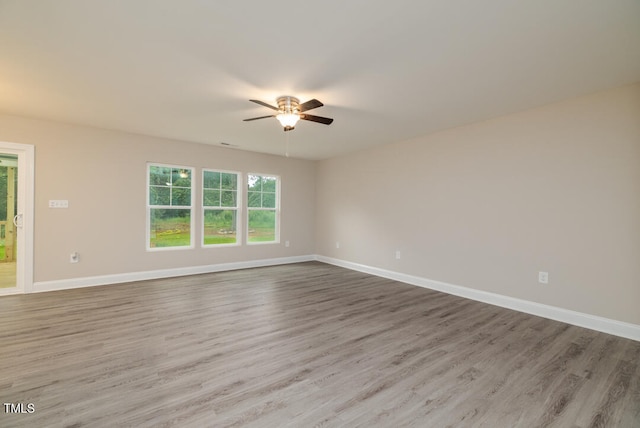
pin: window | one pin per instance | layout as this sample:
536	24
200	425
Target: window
169	207
220	207
262	208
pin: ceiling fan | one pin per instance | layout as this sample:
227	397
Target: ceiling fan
289	111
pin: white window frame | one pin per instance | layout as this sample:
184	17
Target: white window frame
238	208
276	208
181	207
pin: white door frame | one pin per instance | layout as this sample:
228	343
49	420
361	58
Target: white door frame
26	186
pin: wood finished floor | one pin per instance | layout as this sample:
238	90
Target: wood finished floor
303	345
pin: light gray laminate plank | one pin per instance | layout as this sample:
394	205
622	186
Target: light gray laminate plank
306	344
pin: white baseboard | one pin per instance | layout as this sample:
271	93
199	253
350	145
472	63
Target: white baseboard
65	284
605	325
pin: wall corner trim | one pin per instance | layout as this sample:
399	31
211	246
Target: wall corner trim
65	284
593	322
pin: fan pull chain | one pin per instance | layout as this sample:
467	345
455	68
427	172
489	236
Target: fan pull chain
286	151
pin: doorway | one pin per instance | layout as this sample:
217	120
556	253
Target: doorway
16	217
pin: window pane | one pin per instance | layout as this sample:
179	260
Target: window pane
268	184
211	198
181	177
211	180
228	198
262	226
181	197
254	182
229	181
170	228
269	200
254	199
159	176
220	227
159	195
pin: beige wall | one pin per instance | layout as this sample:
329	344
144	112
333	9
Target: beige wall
488	205
103	175
484	206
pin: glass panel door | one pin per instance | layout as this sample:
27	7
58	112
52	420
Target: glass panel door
9	220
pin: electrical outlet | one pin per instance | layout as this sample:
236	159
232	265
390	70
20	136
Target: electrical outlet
74	257
286	243
543	277
337	244
397	254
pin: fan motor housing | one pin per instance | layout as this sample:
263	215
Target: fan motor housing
288	104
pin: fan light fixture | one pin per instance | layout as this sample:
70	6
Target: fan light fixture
288	119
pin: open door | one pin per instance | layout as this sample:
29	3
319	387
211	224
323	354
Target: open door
16	218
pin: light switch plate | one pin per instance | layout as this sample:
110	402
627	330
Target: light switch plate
58	203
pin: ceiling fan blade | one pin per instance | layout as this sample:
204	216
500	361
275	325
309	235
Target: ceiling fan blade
319	119
256	118
264	104
309	105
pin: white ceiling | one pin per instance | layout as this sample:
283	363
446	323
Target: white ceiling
386	70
